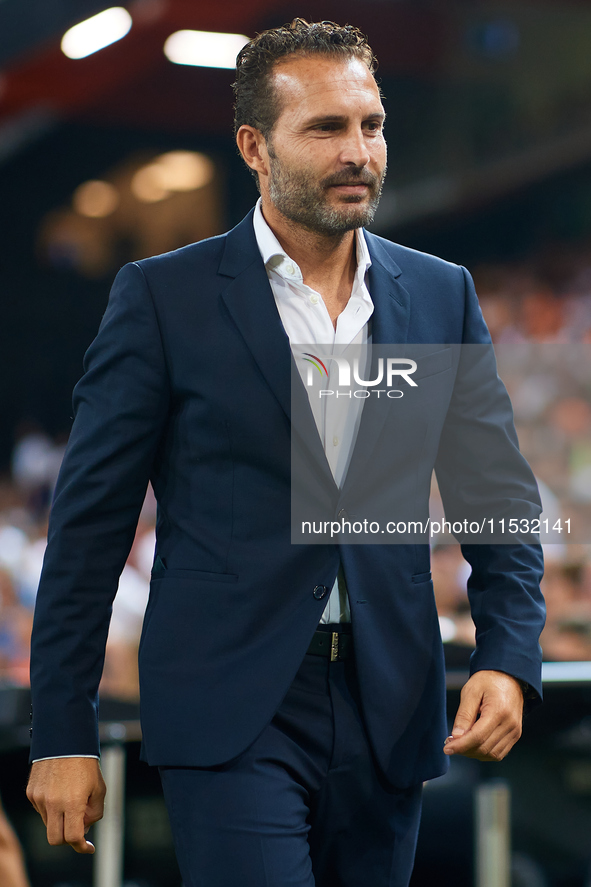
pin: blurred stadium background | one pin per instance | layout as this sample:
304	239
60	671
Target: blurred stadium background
112	154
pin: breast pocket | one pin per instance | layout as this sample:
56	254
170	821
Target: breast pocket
432	364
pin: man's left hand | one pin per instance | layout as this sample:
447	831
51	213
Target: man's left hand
488	722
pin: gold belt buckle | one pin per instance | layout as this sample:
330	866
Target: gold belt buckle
334	647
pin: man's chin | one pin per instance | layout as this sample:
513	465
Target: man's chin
331	219
352	198
357	214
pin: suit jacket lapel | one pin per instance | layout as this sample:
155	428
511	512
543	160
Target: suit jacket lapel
390	322
249	299
391	300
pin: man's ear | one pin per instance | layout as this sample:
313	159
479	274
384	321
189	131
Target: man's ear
253	147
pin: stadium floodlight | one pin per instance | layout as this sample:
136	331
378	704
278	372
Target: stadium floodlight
97	32
205	49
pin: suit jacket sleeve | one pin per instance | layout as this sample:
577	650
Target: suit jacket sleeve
504	587
120	407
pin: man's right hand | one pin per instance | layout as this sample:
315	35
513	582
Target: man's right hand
69	794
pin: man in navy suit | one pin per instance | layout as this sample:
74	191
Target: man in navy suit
292	695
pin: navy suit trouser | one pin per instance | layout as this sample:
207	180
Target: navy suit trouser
304	805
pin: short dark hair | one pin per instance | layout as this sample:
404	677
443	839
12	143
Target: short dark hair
256	103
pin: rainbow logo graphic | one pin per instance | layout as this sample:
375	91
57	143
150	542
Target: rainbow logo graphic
316	362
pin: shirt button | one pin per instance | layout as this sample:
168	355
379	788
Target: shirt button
320	592
335	441
314	298
290	269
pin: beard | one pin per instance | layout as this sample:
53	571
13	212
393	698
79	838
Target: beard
302	199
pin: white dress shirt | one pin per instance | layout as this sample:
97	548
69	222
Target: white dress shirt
307	322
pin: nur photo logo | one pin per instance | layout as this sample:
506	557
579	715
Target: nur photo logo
389	371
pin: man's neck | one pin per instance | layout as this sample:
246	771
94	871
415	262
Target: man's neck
327	262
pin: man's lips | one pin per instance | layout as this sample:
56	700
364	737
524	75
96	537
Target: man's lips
355	186
357	189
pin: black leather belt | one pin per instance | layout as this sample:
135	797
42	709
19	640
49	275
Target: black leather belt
336	645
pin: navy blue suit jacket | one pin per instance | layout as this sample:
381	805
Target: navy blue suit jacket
188	385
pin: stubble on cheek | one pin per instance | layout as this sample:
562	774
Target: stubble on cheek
308	202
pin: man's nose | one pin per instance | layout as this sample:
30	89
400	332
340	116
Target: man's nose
354	149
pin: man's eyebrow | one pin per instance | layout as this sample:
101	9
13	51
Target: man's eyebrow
341	118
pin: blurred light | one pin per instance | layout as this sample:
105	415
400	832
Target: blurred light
97	32
13	543
96	199
205	49
146	186
557	672
184	170
448	630
174	171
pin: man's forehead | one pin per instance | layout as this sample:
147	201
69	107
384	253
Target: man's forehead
303	78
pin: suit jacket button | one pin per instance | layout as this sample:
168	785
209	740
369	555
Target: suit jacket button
320	591
343	514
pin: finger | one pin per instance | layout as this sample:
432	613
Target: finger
55	827
495	754
74	833
496	751
40	808
486	731
82	846
467	714
94	808
503	751
486	753
487	745
37	801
